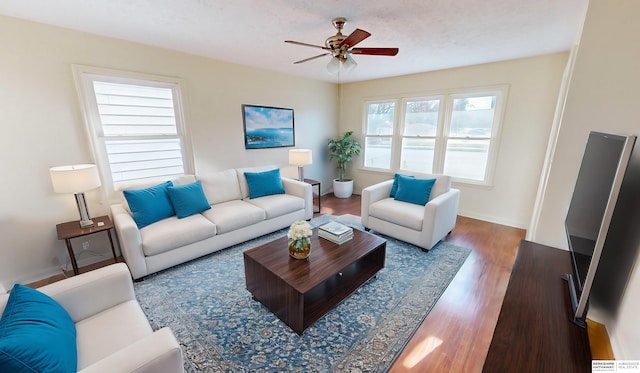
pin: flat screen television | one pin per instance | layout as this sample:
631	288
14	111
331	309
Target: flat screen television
592	205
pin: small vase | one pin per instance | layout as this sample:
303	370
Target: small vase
300	249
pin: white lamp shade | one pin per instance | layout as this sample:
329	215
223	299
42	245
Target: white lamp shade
349	63
300	157
333	67
74	179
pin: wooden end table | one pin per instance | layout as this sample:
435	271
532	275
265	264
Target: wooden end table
313	184
72	229
300	292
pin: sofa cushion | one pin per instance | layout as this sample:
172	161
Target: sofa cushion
142	184
414	190
169	233
133	185
264	183
244	188
36	334
232	215
118	327
188	199
405	214
442	185
149	205
221	186
278	204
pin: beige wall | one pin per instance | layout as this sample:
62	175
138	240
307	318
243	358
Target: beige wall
42	127
533	90
602	95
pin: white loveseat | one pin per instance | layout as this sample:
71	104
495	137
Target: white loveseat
420	225
112	332
232	219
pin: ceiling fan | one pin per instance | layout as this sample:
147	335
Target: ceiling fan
341	47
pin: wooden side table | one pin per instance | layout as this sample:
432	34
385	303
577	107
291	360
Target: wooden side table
313	184
71	229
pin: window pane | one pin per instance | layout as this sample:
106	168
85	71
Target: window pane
417	155
132	160
380	118
466	158
132	110
377	152
472	116
421	117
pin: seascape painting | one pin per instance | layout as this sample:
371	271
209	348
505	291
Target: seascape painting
267	127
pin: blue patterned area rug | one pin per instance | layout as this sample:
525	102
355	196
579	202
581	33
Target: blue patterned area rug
221	329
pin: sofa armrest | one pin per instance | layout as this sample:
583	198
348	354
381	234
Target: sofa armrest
302	190
90	293
440	215
130	240
156	353
372	194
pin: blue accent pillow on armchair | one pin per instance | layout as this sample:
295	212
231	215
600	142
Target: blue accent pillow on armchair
36	334
394	186
264	183
414	190
149	205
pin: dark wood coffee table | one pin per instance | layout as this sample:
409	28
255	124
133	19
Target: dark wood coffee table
300	292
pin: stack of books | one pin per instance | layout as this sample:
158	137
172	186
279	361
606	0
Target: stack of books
335	232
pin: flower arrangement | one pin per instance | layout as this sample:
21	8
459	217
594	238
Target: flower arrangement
299	243
299	234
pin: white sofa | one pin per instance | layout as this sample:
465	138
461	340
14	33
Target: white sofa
112	332
232	219
423	226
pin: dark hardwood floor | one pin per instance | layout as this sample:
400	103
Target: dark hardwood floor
456	335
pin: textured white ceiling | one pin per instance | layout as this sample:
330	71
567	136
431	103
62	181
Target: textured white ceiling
431	34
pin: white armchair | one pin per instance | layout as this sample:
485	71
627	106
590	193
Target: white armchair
112	332
423	226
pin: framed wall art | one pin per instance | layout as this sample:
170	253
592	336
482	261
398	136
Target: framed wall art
267	127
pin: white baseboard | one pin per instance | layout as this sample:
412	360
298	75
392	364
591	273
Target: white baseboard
493	219
83	258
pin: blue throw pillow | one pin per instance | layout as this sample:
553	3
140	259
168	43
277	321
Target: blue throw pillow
394	186
414	190
149	205
188	199
264	183
36	334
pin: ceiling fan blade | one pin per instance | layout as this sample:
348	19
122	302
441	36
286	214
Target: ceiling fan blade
306	44
312	58
375	51
355	37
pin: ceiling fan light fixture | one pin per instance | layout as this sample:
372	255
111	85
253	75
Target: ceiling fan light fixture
333	67
340	47
349	63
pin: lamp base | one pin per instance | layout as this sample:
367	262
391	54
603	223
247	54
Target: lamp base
300	173
85	219
86	223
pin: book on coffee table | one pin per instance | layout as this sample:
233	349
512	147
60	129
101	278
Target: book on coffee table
335	232
336	239
335	228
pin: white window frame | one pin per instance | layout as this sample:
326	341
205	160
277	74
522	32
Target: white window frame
444	120
85	76
437	137
393	136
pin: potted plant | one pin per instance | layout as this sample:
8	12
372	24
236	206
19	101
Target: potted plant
342	149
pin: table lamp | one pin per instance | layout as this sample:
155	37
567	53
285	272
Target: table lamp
300	157
76	179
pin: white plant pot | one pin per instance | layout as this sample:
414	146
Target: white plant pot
342	189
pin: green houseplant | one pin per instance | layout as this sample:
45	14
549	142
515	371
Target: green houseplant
343	149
